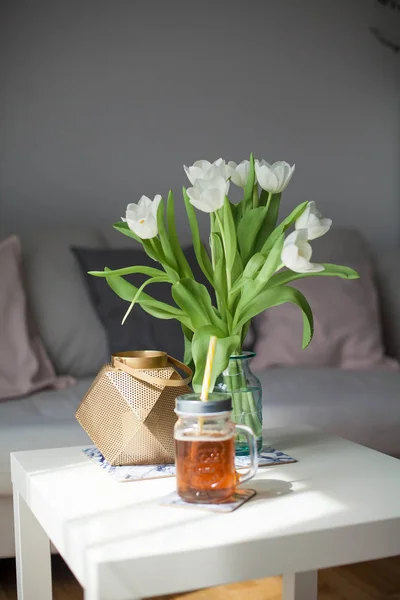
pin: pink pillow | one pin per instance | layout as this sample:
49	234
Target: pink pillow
347	326
24	364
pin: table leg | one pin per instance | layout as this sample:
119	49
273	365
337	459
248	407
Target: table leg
300	586
32	554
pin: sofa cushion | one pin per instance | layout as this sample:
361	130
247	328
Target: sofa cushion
24	364
43	420
71	330
347	327
342	246
362	406
141	331
347	314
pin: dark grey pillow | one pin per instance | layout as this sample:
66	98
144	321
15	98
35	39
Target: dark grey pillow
141	331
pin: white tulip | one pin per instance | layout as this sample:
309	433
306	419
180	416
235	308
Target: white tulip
297	252
203	169
273	178
208	195
239	173
197	170
142	217
313	221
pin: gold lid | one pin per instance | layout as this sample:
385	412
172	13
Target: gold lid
141	359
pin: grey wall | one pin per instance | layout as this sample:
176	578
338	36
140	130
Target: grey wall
101	101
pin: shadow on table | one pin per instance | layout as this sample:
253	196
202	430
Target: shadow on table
270	488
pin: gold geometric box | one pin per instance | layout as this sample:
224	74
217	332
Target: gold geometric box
128	411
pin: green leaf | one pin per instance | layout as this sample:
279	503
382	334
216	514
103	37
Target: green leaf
229	235
254	265
239	283
161	279
271	263
329	271
183	265
273	212
202	257
225	347
194	300
150	271
286	223
237	269
269	224
233	298
188	356
236	213
274	297
160	313
248	229
161	310
252	268
154	250
248	190
220	284
245	331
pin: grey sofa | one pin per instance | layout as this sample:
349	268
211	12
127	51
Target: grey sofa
361	406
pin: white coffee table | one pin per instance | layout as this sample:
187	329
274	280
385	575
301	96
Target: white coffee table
339	504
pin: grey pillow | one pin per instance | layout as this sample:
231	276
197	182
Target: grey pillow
141	331
71	330
341	246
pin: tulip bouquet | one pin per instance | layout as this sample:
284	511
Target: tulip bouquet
249	263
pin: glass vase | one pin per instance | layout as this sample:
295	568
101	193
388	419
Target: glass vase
245	389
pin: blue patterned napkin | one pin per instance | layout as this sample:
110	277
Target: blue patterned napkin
267	458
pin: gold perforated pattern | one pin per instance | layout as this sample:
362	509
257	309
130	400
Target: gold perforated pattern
131	421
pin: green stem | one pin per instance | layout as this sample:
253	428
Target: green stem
154	247
244	406
255	196
169	270
221	301
211	244
247	401
228	384
270	194
228	273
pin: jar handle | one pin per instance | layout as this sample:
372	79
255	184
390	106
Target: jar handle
251	439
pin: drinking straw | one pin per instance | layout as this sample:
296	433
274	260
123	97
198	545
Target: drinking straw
207	372
207	376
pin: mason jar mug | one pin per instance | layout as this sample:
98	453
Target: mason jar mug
205	449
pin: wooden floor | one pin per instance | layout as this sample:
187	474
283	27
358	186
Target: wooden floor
378	580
